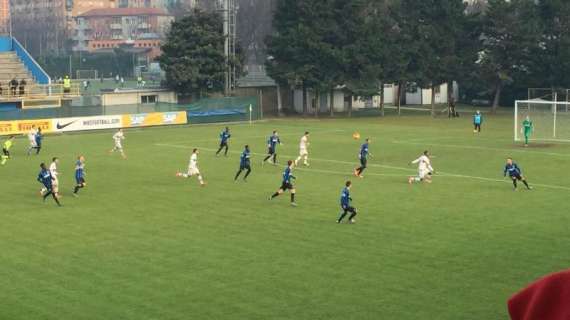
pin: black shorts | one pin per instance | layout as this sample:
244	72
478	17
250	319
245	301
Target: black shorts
287	186
477	126
349	209
223	144
270	150
516	176
5	152
80	180
245	167
363	162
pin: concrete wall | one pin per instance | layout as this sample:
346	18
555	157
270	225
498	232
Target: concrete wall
134	97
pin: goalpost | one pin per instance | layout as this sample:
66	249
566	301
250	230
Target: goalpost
550	119
90	74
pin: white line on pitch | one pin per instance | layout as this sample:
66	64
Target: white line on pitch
441	174
480	148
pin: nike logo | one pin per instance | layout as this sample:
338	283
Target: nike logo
61	126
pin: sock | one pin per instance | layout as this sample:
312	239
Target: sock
275	158
55	198
298	159
47	194
292	197
4	159
220	149
226	152
274	195
185	175
342	215
247	174
267	158
526	184
515	183
358	170
417	179
306	160
38	150
352	215
200	179
238	173
77	187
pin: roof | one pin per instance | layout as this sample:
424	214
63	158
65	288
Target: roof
114	12
256	77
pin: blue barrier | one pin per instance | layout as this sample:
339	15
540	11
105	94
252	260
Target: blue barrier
39	74
5	44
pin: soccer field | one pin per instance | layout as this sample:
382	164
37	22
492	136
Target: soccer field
140	243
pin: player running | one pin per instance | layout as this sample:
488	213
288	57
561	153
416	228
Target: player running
272	143
345	200
45	178
287	183
224	139
515	173
55	181
303	150
425	170
6	150
193	168
39	137
363	156
79	175
32	139
477	121
244	164
527	130
118	137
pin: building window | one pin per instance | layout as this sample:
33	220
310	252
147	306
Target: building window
149	99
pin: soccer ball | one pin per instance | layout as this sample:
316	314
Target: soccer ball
356	136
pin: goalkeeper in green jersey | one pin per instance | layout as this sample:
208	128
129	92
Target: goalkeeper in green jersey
527	129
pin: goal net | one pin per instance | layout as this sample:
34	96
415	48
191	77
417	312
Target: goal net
550	120
87	74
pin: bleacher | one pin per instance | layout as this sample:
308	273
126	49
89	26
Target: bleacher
11	67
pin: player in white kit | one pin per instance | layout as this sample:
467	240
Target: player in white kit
118	137
425	170
193	168
55	179
303	150
32	139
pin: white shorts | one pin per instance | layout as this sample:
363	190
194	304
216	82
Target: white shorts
303	152
422	174
32	143
193	171
118	146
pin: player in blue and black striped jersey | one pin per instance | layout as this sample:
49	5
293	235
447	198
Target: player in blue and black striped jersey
287	183
515	173
345	200
79	175
244	163
363	156
224	139
45	178
272	143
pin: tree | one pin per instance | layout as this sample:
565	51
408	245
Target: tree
552	63
511	34
297	47
193	54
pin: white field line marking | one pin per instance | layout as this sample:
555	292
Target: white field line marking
300	134
441	174
480	148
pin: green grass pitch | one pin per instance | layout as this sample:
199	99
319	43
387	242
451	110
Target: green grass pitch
140	243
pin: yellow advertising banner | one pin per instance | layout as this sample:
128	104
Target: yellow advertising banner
24	126
154	119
